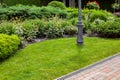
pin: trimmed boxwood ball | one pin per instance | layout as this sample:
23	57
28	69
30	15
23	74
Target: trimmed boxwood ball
8	45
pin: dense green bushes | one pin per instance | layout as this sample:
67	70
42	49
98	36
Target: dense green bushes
97	21
31	29
49	26
31	12
93	14
8	45
57	4
109	28
24	2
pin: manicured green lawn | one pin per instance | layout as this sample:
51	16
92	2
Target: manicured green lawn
53	58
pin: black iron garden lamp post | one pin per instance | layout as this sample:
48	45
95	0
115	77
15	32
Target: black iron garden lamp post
80	26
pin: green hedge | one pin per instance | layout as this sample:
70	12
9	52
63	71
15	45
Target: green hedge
8	45
31	12
92	13
25	2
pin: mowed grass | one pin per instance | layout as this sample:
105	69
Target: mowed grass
53	58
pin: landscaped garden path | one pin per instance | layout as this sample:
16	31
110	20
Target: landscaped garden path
107	69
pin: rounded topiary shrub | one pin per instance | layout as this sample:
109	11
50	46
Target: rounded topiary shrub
57	4
8	45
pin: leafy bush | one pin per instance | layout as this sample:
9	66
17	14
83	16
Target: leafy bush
30	30
74	21
24	2
71	30
57	4
93	14
108	29
11	28
7	28
2	5
52	11
101	14
55	27
73	15
51	28
8	45
31	12
70	9
116	6
93	5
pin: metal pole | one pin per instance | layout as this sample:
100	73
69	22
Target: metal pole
80	26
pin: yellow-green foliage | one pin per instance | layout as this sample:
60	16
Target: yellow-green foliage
8	45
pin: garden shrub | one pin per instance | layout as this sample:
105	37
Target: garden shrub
93	14
57	4
11	28
33	28
31	12
52	11
93	5
52	28
73	15
70	9
98	14
55	27
74	21
24	2
30	30
3	13
71	30
3	5
8	45
7	28
108	29
18	11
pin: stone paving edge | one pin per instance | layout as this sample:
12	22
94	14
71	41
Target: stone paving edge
87	67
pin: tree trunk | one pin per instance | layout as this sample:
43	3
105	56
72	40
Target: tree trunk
64	1
71	3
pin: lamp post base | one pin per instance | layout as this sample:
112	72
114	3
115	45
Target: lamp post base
79	42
